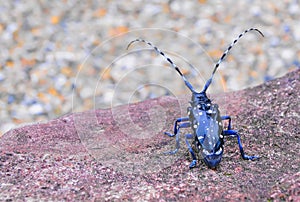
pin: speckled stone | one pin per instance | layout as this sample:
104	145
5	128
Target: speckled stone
113	155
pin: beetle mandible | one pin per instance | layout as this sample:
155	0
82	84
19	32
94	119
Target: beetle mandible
204	117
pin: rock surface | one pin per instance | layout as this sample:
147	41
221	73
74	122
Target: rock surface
117	154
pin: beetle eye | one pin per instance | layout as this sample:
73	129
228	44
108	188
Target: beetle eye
217	146
219	151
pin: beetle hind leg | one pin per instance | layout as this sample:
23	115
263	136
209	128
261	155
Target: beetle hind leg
177	126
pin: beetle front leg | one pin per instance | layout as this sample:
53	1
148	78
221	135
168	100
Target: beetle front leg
235	133
194	162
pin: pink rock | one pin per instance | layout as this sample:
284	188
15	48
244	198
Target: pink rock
117	154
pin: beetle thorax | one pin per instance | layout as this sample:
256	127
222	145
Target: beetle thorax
201	101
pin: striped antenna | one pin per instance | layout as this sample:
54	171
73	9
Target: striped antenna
225	54
187	83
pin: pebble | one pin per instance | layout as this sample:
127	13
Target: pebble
36	109
2	77
53	52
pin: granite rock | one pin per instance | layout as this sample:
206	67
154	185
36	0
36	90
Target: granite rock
117	154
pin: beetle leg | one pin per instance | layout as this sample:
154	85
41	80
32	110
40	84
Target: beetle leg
229	121
235	133
194	162
183	125
176	126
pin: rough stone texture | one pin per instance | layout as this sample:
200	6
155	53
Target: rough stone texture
117	154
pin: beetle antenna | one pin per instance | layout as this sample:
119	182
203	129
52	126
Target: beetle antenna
208	82
187	83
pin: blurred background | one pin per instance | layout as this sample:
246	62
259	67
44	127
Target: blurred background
58	57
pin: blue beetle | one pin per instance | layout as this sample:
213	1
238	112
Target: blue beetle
204	118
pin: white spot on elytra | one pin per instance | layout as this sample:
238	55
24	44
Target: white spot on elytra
195	126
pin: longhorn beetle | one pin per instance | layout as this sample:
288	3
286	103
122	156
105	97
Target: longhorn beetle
204	117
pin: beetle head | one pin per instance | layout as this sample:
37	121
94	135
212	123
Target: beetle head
212	156
213	159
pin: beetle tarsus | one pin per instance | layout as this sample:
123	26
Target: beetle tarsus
193	164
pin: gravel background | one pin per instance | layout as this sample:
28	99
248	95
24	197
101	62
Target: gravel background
63	56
